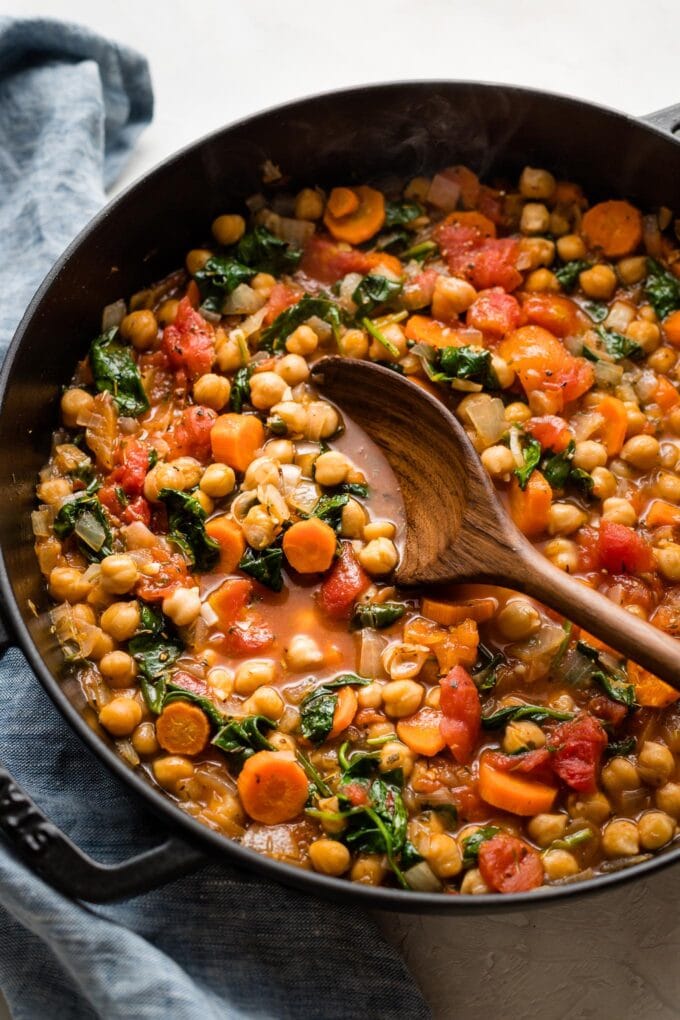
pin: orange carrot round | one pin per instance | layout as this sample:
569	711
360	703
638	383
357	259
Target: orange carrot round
309	546
273	788
513	793
365	220
236	438
430	331
671	328
182	728
421	731
232	544
342	202
473	219
345	709
615	227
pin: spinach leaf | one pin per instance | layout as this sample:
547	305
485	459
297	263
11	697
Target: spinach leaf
483	673
155	648
318	706
409	856
419	252
241	739
662	289
186	518
616	688
175	692
359	489
318	786
84	472
376	615
473	363
572	840
115	371
569	273
86	516
394	240
329	509
535	713
557	468
218	278
264	565
597	310
532	456
617	345
398	214
360	763
273	338
374	291
266	253
581	481
472	844
620	748
240	388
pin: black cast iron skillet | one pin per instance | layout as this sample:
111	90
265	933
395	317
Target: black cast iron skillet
352	136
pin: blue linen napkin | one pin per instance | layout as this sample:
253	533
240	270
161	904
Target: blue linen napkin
218	943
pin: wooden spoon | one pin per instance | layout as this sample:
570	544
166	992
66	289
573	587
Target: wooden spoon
457	528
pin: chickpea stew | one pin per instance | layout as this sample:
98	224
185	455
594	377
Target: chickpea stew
218	541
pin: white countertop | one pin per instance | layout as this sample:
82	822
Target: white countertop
213	61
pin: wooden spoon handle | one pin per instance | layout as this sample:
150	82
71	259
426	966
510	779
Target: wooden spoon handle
619	629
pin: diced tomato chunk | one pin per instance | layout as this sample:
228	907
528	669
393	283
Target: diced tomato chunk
462	713
356	793
552	432
132	469
542	363
509	865
495	312
578	745
137	509
345	582
191	436
282	296
622	551
173	574
611	712
486	262
554	312
326	261
245	636
189	341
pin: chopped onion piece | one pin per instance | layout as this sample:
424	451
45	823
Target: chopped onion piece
128	425
113	315
305	496
444	193
586	424
371	647
296	232
646	386
242	504
127	752
422	878
273	502
516	447
90	531
488	419
403	661
252	323
348	285
243	300
40	522
290	478
208	614
607	374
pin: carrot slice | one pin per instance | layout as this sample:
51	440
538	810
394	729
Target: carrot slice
671	328
650	691
472	219
665	394
363	222
182	728
421	731
310	546
529	508
342	202
273	788
613	431
662	514
232	544
345	709
235	439
449	613
513	793
615	227
425	330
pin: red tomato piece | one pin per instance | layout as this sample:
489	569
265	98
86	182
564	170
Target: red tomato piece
494	311
552	432
608	711
281	297
132	470
189	341
622	551
554	312
173	574
509	865
490	204
588	555
535	764
325	261
462	713
344	584
486	262
138	509
191	436
191	683
578	745
246	636
542	363
356	793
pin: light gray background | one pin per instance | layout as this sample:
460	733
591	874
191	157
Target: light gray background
613	956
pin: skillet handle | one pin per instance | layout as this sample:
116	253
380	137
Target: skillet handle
47	851
667	119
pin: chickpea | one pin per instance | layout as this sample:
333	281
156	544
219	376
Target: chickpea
451	297
190	470
545	829
565	518
140	329
121	620
196	260
517	412
121	716
656	828
331	468
303	653
68	584
498	461
444	856
619	511
570	248
538	250
559	223
535	218
167	312
646	334
667	798
379	556
395	334
163	476
293	369
559	864
102	646
171	770
118	668
564	554
593	807
668	561
323	421
355	343
329	856
395	755
119	574
621	839
656	763
280	450
294	416
522	733
604	483
262	471
228	353
417	189
212	390
379	529
518	619
54	491
204	501
182	606
228	229
352	520
632	270
402	698
282	741
302	340
266	389
265	701
598	282
144	740
618	775
473	884
259	528
589	455
535	183
253	674
668	486
264	283
642	452
541	280
331	827
84	613
433	697
368	869
662	360
370	696
217	481
309	204
76	405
